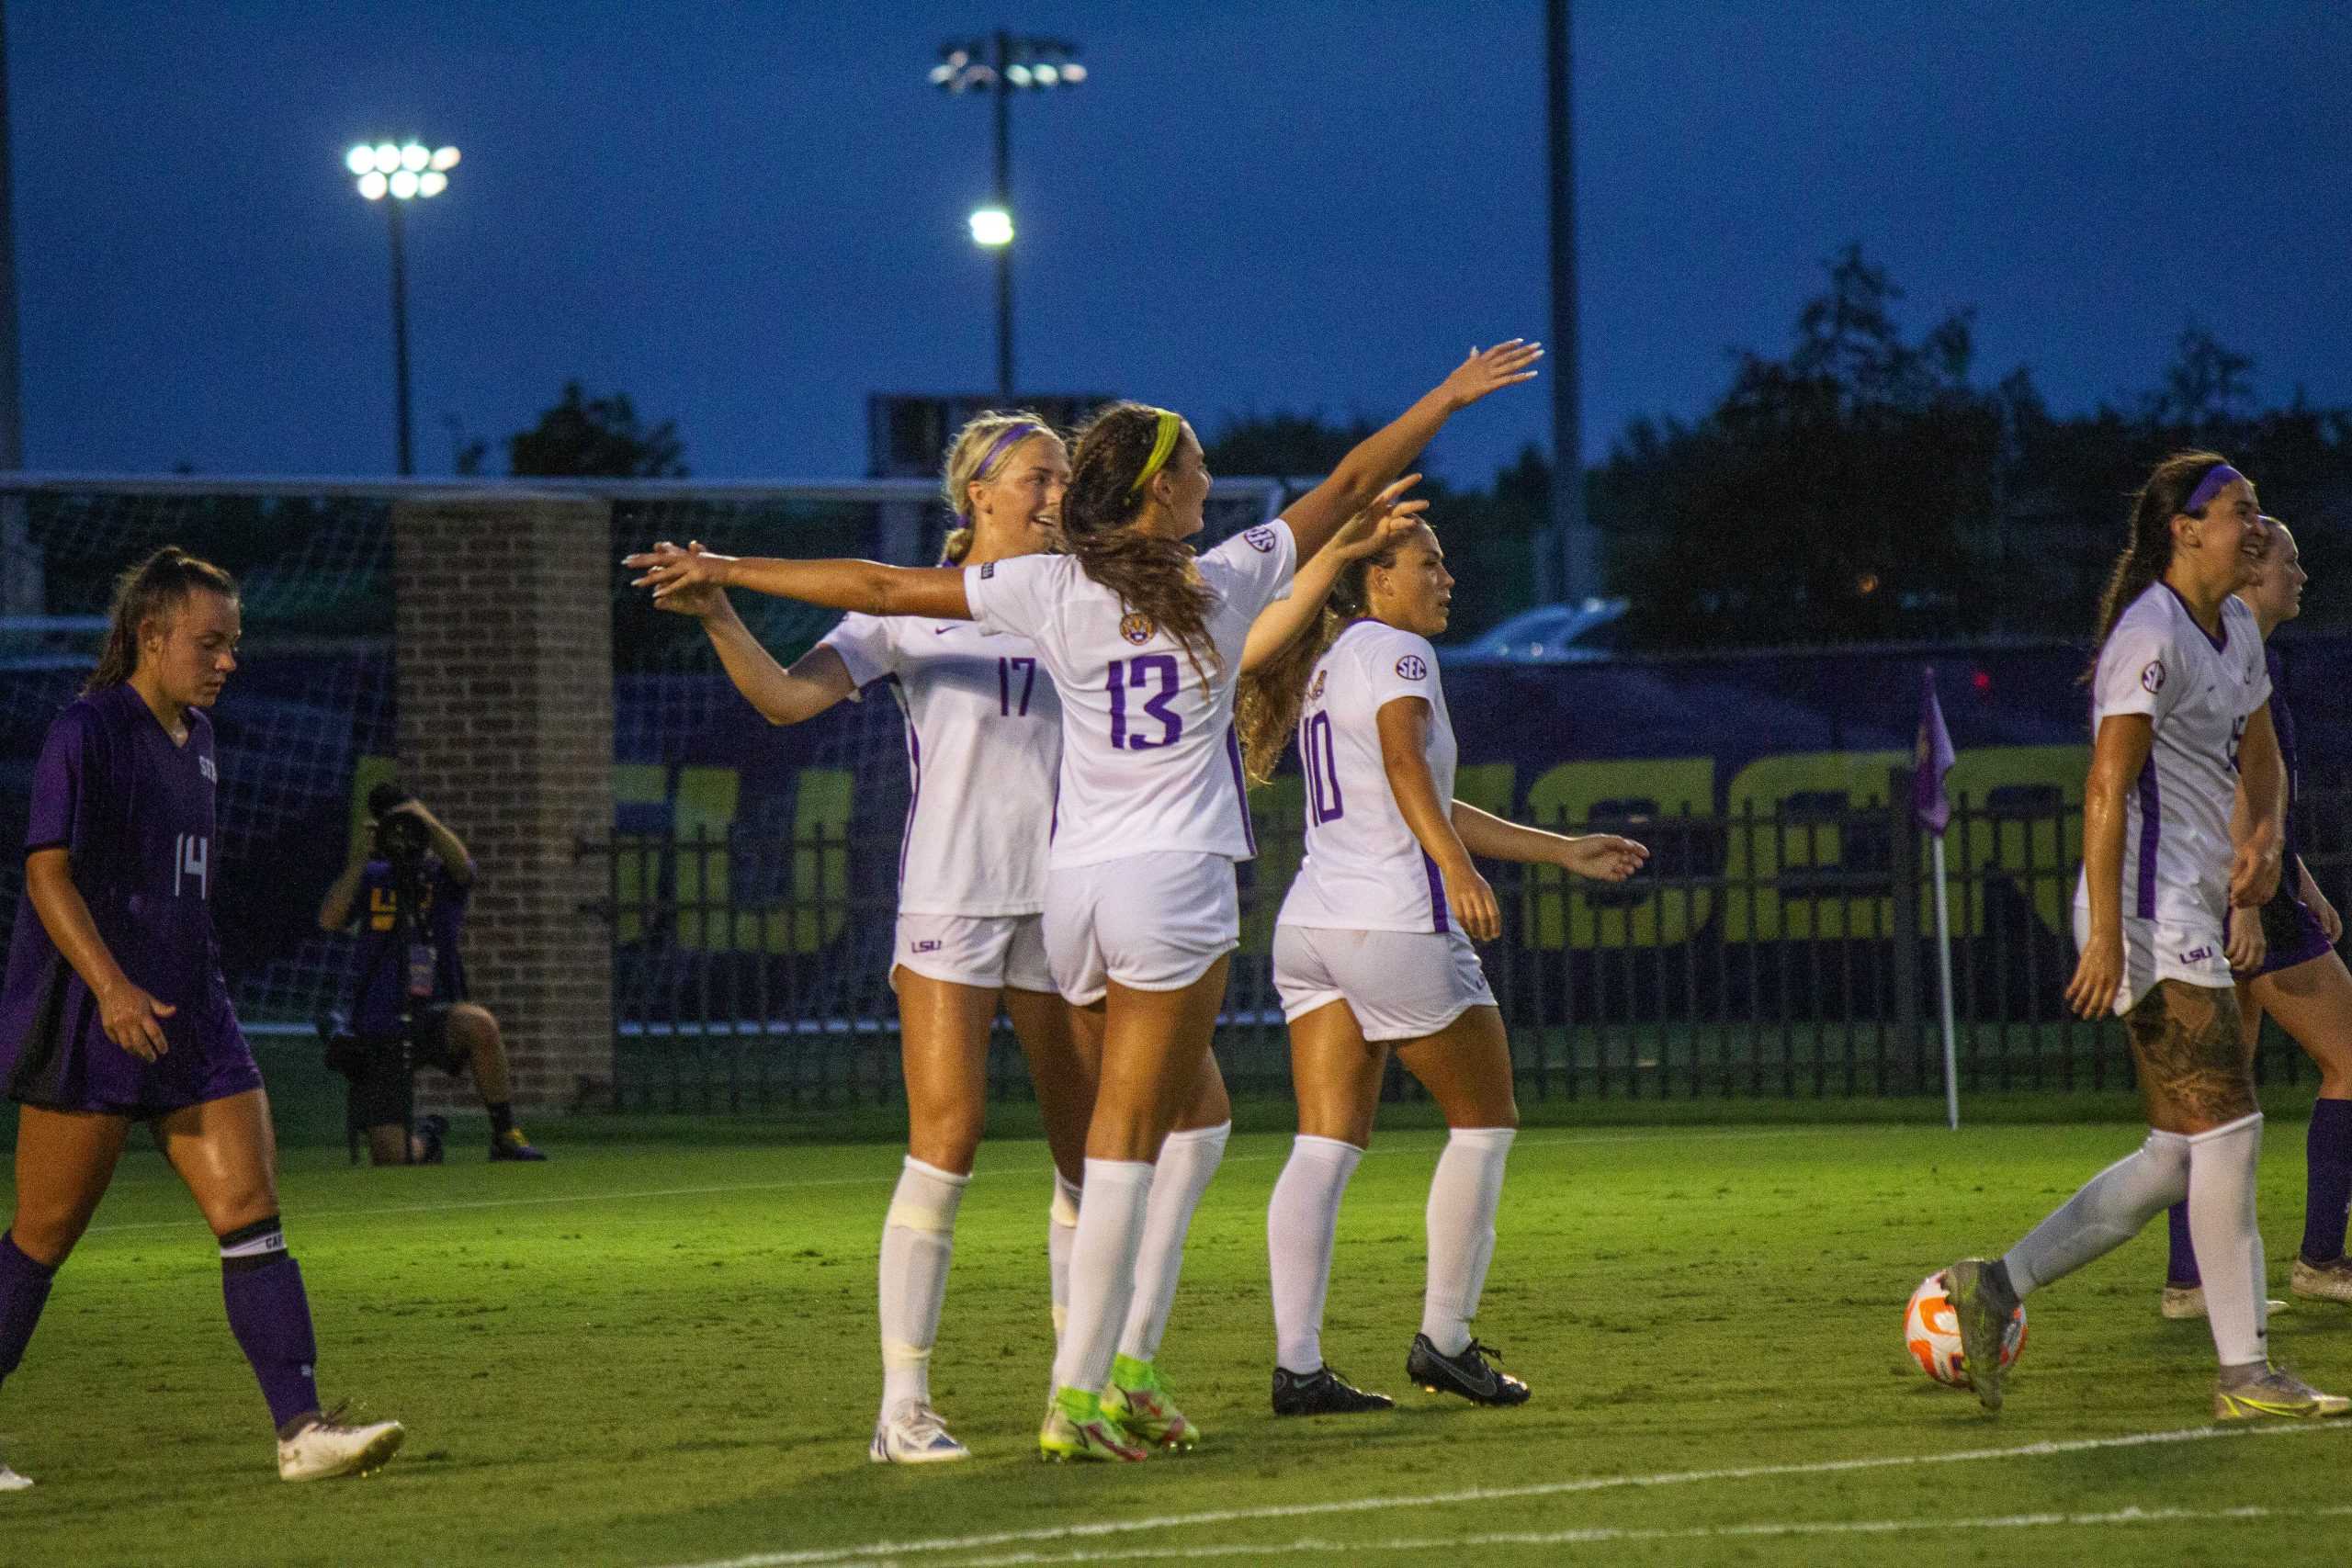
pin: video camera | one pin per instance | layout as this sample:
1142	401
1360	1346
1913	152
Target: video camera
399	836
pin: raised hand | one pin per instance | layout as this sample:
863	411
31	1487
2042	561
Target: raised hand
691	580
1371	531
1604	857
1491	369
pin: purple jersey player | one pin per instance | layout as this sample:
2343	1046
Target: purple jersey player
115	1011
2303	984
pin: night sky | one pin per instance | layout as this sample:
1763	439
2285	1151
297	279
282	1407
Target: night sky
749	215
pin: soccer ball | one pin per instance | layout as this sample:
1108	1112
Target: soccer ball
1931	1333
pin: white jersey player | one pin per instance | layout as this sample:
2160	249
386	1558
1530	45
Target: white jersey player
2197	691
1149	689
983	745
1372	954
2181	705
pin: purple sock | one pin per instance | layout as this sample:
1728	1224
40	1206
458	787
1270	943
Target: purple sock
2182	1269
2327	1154
271	1318
24	1287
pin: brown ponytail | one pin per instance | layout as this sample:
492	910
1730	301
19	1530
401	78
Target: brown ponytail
1267	709
2147	552
1157	578
155	586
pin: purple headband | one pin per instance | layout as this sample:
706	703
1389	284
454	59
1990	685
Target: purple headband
2216	478
1013	437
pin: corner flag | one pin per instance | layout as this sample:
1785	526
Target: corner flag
1932	759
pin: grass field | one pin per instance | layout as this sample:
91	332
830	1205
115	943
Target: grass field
661	1351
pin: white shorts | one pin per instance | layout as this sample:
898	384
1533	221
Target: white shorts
2159	949
1152	922
987	950
1401	985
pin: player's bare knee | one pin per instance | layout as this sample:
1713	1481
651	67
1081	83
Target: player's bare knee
47	1233
949	1139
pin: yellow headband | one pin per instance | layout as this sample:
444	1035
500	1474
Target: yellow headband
1162	443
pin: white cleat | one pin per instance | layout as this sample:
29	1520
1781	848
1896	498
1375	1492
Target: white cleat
914	1434
2323	1282
11	1482
2189	1300
327	1448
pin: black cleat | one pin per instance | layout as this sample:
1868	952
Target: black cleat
1323	1391
1466	1374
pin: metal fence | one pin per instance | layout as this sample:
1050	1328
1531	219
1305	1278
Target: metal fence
1783	954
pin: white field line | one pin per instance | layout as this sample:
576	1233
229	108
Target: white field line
1604	1536
877	1179
1114	1526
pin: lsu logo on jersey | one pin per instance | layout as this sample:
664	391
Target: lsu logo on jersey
1136	627
2198	955
384	907
1412	667
204	766
2152	676
1315	692
1260	539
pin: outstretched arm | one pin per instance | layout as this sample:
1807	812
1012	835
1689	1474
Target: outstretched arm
817	679
1604	857
1368	533
935	592
1382	455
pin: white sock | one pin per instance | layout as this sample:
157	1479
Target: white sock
1061	1235
1187	1160
917	1240
1462	1198
2222	1165
1101	1270
2110	1210
1301	1223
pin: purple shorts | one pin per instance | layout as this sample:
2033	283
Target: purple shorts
72	1066
2292	933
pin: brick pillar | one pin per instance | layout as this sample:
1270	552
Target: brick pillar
504	651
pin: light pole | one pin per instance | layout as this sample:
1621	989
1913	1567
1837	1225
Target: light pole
1004	63
405	173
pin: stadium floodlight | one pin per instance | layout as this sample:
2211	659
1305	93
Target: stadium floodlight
1001	64
991	226
404	171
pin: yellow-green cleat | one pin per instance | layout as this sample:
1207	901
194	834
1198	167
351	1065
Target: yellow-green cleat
1077	1427
2276	1393
1138	1401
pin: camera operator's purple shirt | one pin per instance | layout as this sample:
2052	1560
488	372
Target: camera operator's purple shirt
134	813
379	964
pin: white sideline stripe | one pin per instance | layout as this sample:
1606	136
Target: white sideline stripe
1606	1535
852	1554
880	1179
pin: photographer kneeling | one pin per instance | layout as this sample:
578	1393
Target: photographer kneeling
407	1000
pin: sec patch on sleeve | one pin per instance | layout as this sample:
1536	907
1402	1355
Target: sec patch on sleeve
1412	667
1261	540
2152	676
